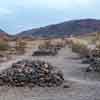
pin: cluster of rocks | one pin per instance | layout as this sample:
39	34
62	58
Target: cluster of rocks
87	60
31	73
94	65
45	52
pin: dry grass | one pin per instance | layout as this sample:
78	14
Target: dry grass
79	46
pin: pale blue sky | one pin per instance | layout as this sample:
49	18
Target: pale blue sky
18	15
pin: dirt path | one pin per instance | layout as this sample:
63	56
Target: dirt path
84	86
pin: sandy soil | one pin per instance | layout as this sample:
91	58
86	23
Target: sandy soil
83	86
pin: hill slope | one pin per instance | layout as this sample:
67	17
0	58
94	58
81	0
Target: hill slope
73	27
3	34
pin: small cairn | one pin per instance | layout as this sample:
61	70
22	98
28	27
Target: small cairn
31	73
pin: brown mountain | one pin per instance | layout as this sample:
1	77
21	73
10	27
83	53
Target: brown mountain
73	27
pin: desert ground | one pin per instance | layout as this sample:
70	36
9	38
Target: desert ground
82	85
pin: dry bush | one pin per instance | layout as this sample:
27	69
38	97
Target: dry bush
20	47
58	42
79	46
96	51
45	45
98	44
3	46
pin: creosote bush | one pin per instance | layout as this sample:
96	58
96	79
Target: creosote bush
45	45
3	46
79	46
20	46
50	44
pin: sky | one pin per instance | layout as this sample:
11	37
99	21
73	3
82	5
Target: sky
19	15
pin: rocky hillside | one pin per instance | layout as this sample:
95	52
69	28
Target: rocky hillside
3	33
73	27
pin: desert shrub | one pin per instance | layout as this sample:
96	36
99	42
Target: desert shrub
20	46
96	52
98	44
80	47
45	45
3	46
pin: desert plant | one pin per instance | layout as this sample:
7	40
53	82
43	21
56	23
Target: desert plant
45	45
20	46
80	47
3	46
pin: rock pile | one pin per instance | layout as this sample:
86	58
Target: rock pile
94	65
34	73
87	60
45	53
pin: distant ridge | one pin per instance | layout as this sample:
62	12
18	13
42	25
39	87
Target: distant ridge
67	28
